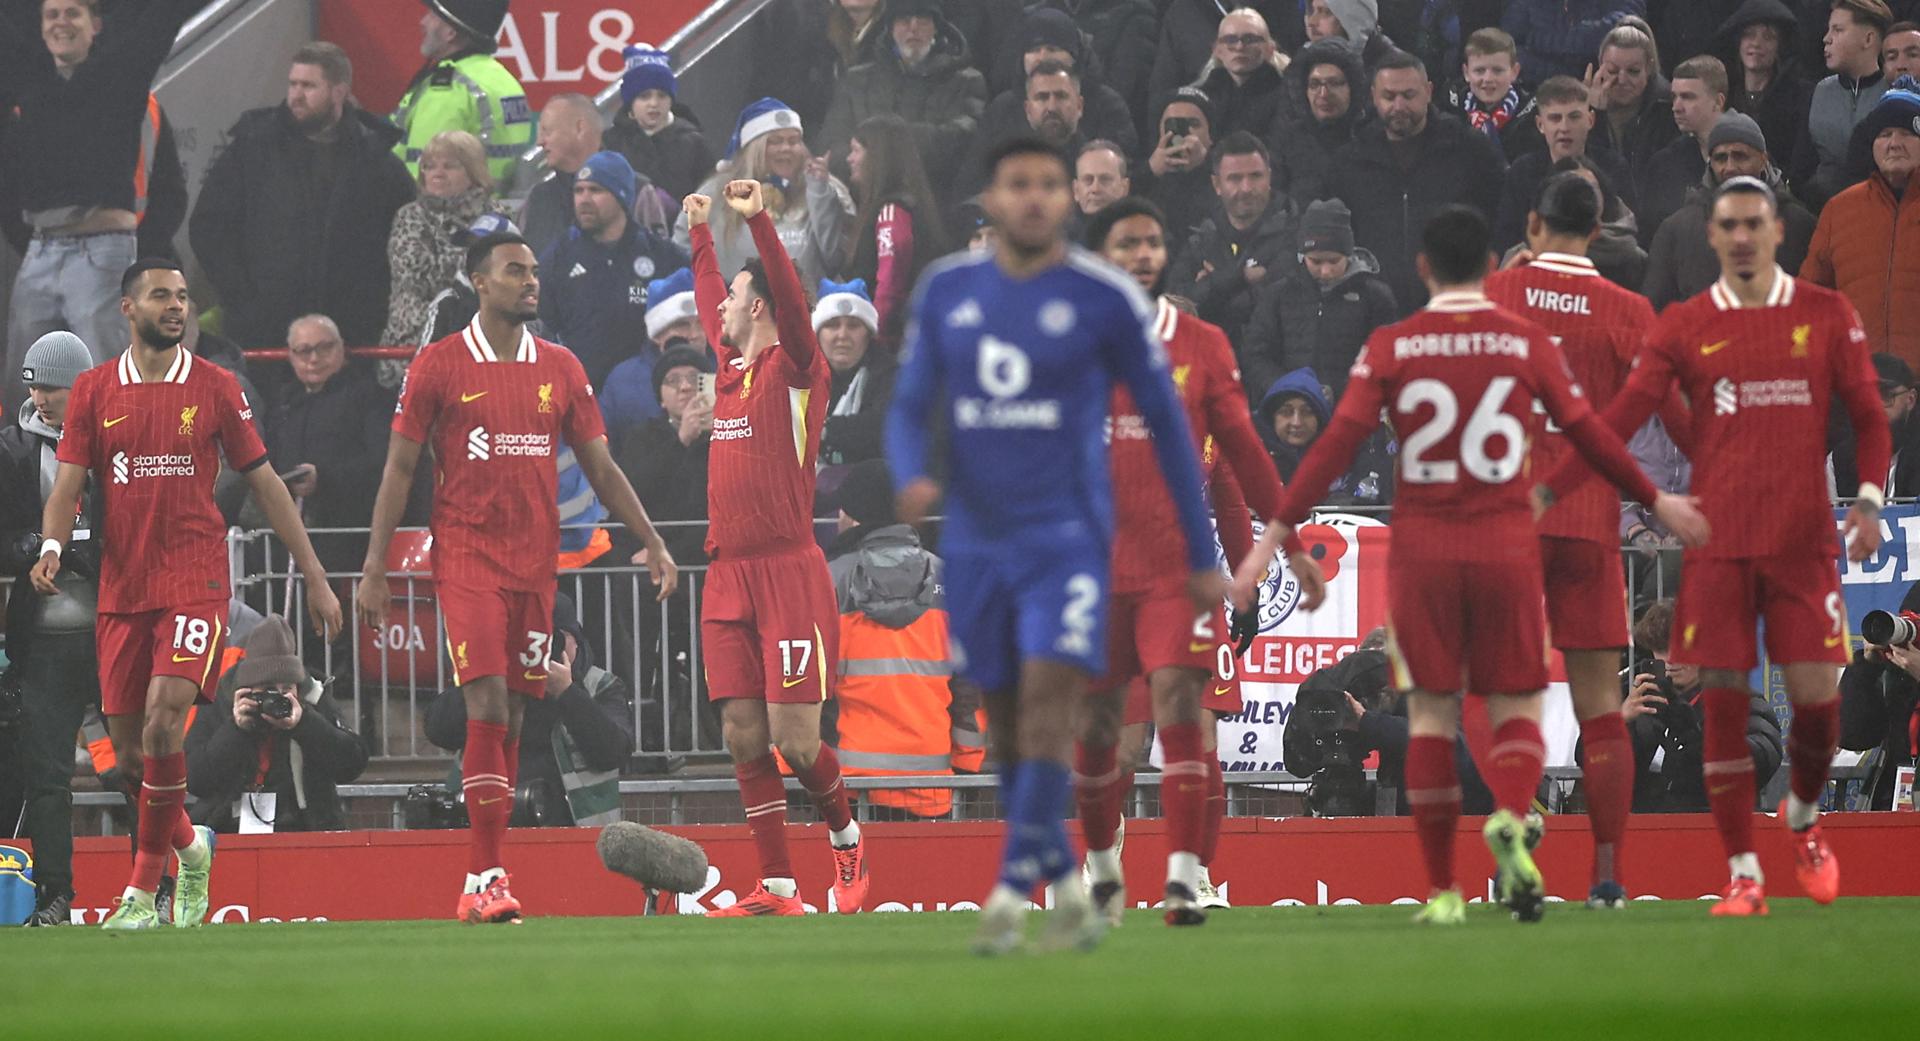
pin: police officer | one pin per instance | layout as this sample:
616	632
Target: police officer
462	87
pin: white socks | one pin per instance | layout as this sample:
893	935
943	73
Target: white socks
1103	865
780	886
194	854
846	836
1184	868
1746	865
1801	815
138	896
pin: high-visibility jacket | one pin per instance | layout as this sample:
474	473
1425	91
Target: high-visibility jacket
894	696
471	92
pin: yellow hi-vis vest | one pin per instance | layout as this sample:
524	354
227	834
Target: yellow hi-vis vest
476	94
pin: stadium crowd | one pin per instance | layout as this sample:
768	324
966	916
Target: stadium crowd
1296	146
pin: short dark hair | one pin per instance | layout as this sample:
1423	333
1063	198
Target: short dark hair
1654	630
481	249
1747	186
757	276
1024	145
1240	142
1455	245
1903	27
1053	67
1400	60
332	62
1569	204
1581	162
131	276
1707	69
1100	225
1559	90
1875	14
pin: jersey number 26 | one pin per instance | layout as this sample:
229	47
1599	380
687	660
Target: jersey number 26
1488	420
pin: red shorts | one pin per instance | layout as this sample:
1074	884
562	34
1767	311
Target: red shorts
770	628
1722	601
1472	625
1586	594
498	632
134	648
1221	696
1156	629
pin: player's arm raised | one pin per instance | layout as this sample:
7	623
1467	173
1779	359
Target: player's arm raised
396	480
56	523
709	288
790	312
1858	387
915	389
616	494
275	501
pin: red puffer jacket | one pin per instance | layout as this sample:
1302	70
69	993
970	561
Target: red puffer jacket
1867	246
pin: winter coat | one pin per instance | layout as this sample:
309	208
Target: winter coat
1519	137
593	297
424	257
1223	295
1681	264
1187	31
1367	482
1186	197
1104	116
1672	174
1298	323
1781	109
1877	703
342	430
275	248
27	466
1523	182
671	480
797	60
942	101
1820	169
1252	106
1121	36
1867	245
1649	130
304	765
676	158
1303	147
814	234
1453	163
1562	37
1679	786
857	414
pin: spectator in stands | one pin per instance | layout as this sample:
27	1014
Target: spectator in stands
1179	172
593	296
1249	239
463	87
573	741
1899	393
846	324
1292	416
1900	55
664	144
1757	40
295	212
1326	74
897	227
1489	97
1633	100
1616	251
1699	97
1099	177
1121	36
994	31
1855	31
270	751
329	430
1566	125
455	190
810	207
803	48
1406	165
1864	243
1189	29
1560	37
1355	21
666	458
570	131
1879	700
1054	111
77	148
971	217
1680	263
1051	36
924	79
1319	313
1667	721
1245	75
630	396
454	307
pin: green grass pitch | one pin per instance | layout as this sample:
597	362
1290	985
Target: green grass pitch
1652	971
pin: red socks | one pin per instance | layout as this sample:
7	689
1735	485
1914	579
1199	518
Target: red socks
1183	789
1216	810
512	750
1608	766
1729	768
163	818
483	768
822	782
1097	793
1433	797
765	799
1810	744
1514	764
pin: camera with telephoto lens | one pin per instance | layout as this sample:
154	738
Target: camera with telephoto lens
1322	740
1886	629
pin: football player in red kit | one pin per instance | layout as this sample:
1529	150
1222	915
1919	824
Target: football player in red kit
495	403
1760	356
1154	631
150	427
1460	382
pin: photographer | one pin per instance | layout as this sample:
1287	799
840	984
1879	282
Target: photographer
53	676
573	741
268	752
1879	697
1667	723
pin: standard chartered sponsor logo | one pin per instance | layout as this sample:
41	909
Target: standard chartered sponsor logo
128	468
479	445
119	467
483	444
732	429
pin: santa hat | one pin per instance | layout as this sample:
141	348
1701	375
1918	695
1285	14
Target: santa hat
840	299
670	300
759	119
647	69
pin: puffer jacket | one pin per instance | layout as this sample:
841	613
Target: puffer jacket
1252	106
942	101
1303	147
1299	323
1867	245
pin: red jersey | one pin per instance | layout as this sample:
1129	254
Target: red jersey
154	449
1147	547
495	425
1760	381
1599	327
1460	382
767	415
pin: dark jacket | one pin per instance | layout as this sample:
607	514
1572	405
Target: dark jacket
1877	704
1681	264
796	58
1903	482
1649	130
1187	30
1453	163
166	196
671	481
593	296
342	429
1186	197
1679	787
1299	323
1672	175
942	101
223	763
285	226
1382	727
856	435
548	212
1690	27
26	451
1303	147
1781	109
1523	182
677	159
1252	106
1223	296
1121	35
1562	37
1518	137
1104	115
1368	480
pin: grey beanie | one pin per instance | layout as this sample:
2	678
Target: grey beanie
1737	128
55	360
1326	227
1360	18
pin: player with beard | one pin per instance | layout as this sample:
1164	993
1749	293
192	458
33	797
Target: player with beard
1155	632
151	427
494	402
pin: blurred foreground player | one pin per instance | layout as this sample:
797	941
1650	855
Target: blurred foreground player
151	427
1760	356
1017	352
1461	382
495	402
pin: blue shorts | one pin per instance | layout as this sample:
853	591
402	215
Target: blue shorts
1004	608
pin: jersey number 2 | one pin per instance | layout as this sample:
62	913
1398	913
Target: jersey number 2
1489	420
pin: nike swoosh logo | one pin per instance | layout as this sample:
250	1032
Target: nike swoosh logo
1713	348
191	657
488	802
465	398
1199	648
533	675
111	423
1834	641
794	682
1221	692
